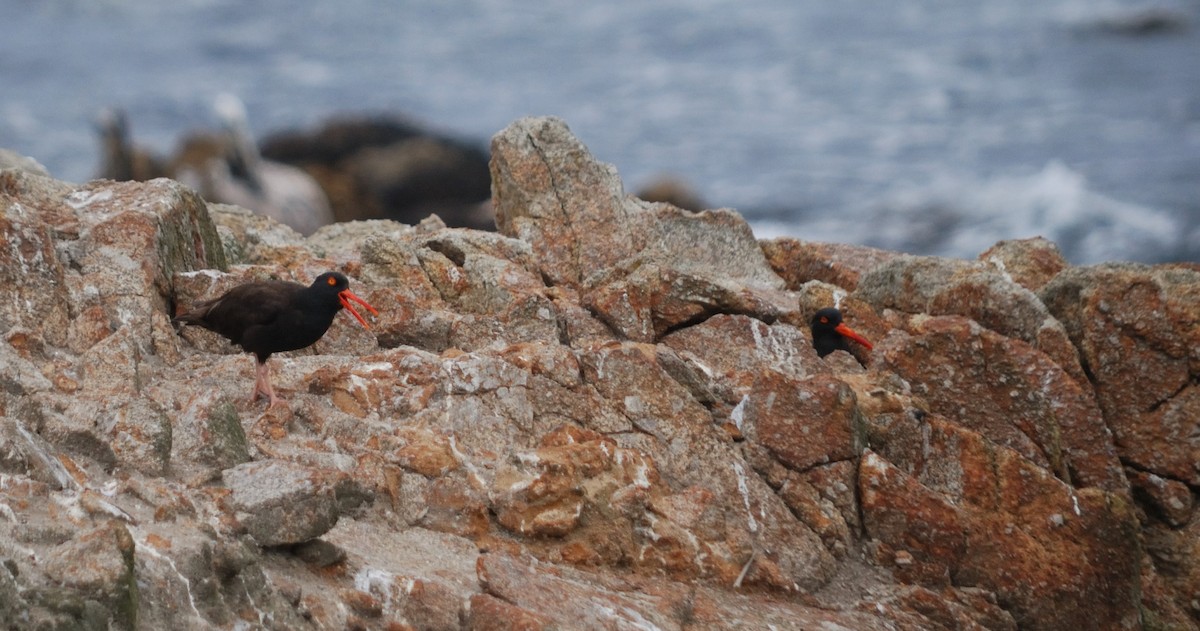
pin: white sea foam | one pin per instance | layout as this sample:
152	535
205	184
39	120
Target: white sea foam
964	216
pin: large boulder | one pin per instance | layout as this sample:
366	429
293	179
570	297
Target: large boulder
982	516
984	292
281	503
1137	333
644	268
1008	391
840	264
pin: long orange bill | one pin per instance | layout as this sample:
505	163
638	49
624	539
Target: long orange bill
849	332
345	296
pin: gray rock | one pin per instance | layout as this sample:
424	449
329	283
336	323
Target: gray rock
99	564
281	503
139	432
209	433
32	213
27	453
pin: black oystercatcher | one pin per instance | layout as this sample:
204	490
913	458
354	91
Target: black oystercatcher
831	334
273	316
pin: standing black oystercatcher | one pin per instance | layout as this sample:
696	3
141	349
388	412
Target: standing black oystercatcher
273	316
831	334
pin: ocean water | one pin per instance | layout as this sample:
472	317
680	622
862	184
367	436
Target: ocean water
921	125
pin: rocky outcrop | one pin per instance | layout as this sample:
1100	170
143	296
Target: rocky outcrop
644	269
607	415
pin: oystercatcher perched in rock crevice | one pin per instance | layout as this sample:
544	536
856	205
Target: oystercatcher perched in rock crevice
274	316
830	333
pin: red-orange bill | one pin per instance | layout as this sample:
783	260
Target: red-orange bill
849	332
345	296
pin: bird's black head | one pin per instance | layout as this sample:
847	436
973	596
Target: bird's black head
830	333
332	282
826	319
337	287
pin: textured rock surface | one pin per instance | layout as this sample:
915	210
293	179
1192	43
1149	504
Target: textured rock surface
607	415
799	262
983	292
1136	320
279	502
1030	262
644	269
955	366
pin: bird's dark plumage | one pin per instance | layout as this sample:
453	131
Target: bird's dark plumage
274	316
831	334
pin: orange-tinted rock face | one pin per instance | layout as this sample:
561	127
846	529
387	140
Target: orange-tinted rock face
1139	338
1031	263
1010	392
799	262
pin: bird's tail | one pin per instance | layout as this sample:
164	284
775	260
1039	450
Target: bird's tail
197	315
193	317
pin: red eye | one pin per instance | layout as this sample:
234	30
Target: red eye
824	320
332	281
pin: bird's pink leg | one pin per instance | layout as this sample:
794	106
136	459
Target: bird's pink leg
262	385
258	381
